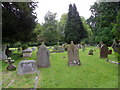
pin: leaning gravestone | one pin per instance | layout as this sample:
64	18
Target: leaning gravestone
73	55
43	57
104	51
27	67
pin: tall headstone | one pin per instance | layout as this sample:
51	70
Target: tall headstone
27	67
104	51
73	55
43	55
3	55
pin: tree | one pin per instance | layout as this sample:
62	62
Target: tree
89	31
102	19
61	27
18	21
116	27
74	29
50	32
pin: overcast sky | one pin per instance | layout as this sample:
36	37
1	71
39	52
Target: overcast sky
62	6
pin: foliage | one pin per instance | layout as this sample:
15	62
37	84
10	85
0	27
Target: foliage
103	16
89	31
50	32
24	46
18	21
61	26
116	27
74	29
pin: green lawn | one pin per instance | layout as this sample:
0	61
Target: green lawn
93	72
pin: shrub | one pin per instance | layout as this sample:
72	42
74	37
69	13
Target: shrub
24	46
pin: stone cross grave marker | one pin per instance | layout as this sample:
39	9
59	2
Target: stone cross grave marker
10	66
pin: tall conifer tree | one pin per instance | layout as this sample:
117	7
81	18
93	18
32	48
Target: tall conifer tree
74	29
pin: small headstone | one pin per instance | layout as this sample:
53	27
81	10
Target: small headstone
90	52
27	52
27	67
10	66
104	51
83	47
33	48
43	55
73	55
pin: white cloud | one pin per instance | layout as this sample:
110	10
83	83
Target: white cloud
62	6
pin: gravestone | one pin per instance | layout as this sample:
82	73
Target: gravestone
3	56
90	52
27	52
33	48
10	67
83	47
116	46
27	67
43	55
104	51
73	55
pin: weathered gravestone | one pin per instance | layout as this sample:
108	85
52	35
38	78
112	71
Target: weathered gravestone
116	46
83	47
10	66
104	51
73	55
43	55
3	55
27	52
27	67
90	52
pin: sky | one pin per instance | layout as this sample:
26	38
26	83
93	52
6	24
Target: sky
62	6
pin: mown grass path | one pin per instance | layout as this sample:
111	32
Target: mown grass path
92	73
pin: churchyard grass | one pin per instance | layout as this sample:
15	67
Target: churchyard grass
92	73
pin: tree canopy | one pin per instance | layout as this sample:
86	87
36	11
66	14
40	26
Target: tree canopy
74	29
102	19
18	21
